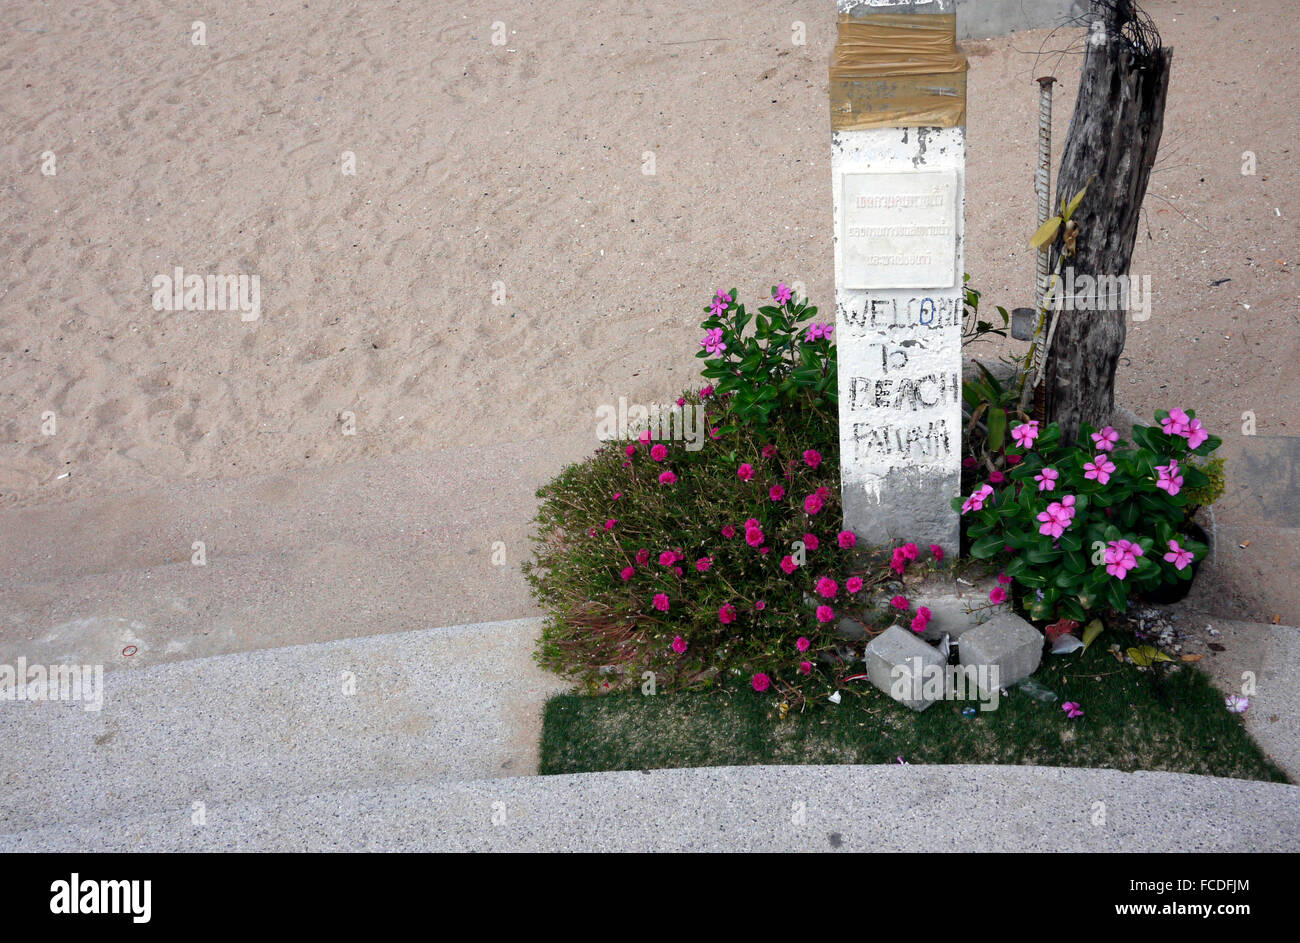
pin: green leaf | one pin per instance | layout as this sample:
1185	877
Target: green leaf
997	428
1091	631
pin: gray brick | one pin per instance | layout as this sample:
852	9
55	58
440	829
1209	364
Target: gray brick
1006	640
898	648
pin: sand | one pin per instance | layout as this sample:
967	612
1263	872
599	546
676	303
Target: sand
520	170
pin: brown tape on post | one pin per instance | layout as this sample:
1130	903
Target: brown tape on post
897	70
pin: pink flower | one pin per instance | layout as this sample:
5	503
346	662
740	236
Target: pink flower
802	644
805	667
827	588
667	558
630	451
1100	468
1058	516
1176	423
1180	557
1105	439
745	472
713	340
760	606
899	602
937	551
769	451
617	495
714	432
898	563
703	563
1014	459
679	645
1121	556
628	573
813	503
642	557
706	392
1047	479
910	551
1169	479
788	564
1025	434
997	595
727	614
1072	709
667	478
761	682
677	571
1196	434
661	602
609	524
976	501
846	539
728	531
812	458
658	452
681	401
754	536
1004	580
644	437
924	612
825	613
920	624
823	492
782	294
776	492
997	477
853	584
811	542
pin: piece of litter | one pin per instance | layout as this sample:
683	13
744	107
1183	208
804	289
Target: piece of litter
64	475
834	698
1244	544
1237	704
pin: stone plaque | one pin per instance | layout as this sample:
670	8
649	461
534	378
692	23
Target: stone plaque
899	229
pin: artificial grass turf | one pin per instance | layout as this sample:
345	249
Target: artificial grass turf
1175	721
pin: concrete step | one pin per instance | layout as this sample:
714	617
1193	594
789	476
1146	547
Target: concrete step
459	702
754	808
374	547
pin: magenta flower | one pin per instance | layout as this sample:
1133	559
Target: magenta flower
802	644
727	614
899	602
703	564
1025	434
976	501
630	451
853	584
661	602
898	563
1100	468
811	542
679	645
997	595
1004	580
1176	423
720	302
812	458
761	682
1105	439
1180	557
642	557
769	451
937	551
644	437
728	531
805	667
667	478
788	564
997	477
813	503
847	539
760	606
776	492
1047	479
713	342
818	331
706	392
745	472
1072	709
910	551
1169	479
667	558
609	524
658	452
825	614
628	573
754	536
827	588
782	294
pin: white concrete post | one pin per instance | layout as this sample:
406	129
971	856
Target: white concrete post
899	208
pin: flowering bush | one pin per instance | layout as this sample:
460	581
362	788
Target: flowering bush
1086	523
782	363
730	558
